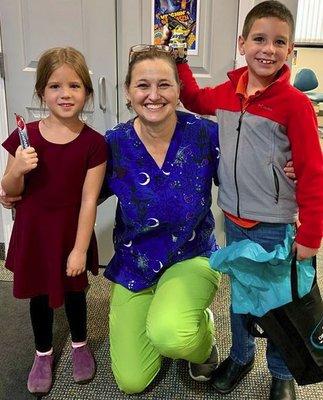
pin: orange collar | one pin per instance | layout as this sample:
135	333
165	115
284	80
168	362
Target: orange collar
241	89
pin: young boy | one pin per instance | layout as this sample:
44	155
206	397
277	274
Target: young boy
263	122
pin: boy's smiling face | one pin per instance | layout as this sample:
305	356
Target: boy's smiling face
266	49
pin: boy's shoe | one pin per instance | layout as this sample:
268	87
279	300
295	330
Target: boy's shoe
83	364
282	389
203	372
40	376
229	374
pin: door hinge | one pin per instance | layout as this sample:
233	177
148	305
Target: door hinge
2	66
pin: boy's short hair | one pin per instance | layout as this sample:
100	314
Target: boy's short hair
267	9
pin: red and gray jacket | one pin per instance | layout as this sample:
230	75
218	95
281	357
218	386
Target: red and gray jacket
255	143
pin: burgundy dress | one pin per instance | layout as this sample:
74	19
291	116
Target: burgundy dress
46	219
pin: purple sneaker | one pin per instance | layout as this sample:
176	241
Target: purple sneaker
40	375
83	364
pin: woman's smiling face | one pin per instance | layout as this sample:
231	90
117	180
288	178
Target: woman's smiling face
153	91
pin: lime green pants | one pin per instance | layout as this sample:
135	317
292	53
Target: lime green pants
168	319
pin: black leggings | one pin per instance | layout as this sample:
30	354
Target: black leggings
42	319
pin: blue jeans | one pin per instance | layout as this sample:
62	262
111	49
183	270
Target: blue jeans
243	343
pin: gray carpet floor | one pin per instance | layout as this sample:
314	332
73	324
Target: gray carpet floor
173	381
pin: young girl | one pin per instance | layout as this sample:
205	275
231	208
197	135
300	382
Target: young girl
52	244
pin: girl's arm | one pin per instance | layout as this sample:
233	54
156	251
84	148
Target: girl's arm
76	261
24	161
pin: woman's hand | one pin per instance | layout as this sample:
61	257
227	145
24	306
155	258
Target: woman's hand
289	170
76	263
8	201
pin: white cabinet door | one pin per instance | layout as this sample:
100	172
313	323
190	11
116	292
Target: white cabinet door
103	30
28	27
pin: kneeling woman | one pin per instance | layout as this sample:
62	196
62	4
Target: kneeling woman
161	168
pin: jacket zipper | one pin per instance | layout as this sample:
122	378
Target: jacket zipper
276	180
235	161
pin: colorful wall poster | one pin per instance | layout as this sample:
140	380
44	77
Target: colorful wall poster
178	14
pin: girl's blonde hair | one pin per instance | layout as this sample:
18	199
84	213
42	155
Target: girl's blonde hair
54	58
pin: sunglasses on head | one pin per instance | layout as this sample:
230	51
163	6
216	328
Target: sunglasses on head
141	48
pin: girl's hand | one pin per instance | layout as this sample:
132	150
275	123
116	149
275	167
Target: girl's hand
304	252
25	160
76	263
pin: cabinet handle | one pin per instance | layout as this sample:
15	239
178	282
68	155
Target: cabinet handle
102	94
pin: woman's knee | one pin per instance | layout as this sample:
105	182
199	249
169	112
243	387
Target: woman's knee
131	382
131	385
167	336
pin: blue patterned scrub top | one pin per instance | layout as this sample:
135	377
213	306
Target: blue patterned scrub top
163	214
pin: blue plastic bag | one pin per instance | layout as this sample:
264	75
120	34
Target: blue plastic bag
260	281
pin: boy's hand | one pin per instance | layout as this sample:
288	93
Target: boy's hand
167	34
25	160
304	252
176	39
290	171
76	263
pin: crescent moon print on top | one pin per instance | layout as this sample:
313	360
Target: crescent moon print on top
192	237
153	222
160	267
163	212
146	177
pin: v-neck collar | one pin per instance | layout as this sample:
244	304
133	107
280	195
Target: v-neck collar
171	151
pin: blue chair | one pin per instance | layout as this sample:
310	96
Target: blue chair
305	81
